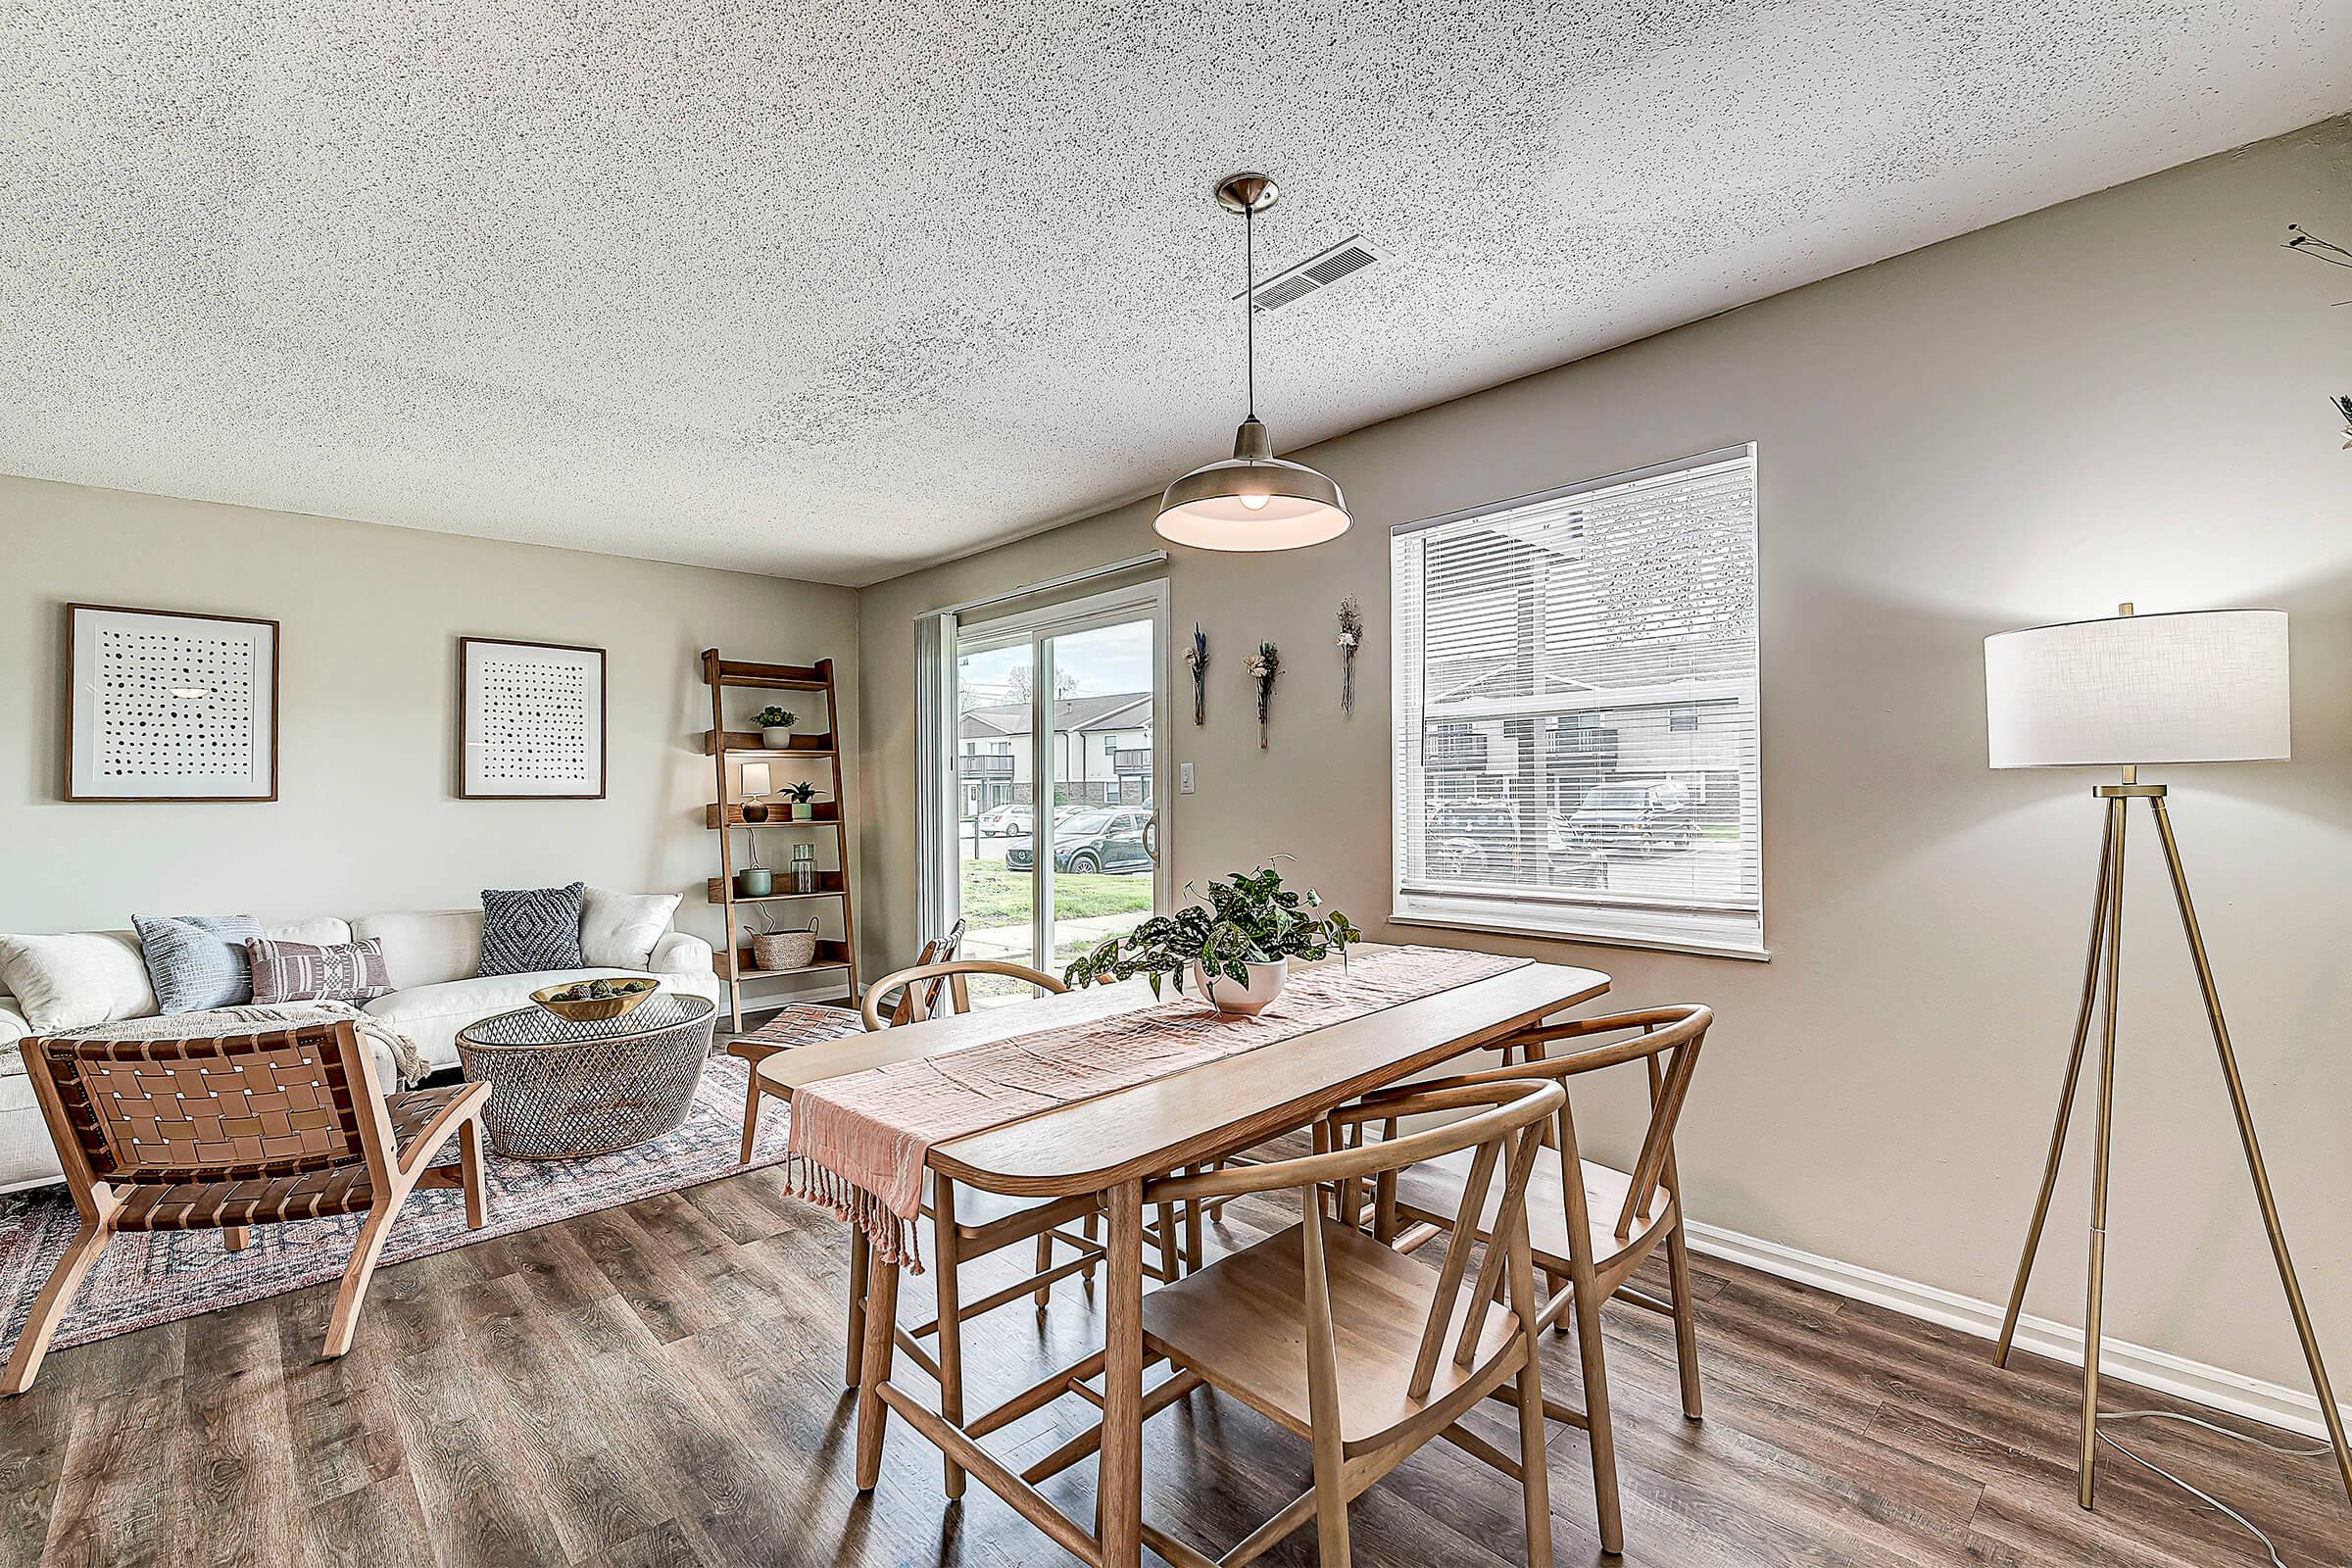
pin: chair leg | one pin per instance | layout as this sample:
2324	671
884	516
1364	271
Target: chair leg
50	1306
1597	1413
1192	1256
1091	1227
1331	1503
858	1267
949	1249
236	1238
751	1111
1535	1466
1686	1320
1171	1250
1044	1261
470	1162
346	1319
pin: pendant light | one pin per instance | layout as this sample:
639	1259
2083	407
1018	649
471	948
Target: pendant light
1252	499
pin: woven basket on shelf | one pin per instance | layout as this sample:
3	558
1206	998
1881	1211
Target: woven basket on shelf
785	950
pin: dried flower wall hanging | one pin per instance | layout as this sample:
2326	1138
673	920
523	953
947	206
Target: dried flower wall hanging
1263	665
1352	637
2305	243
1196	658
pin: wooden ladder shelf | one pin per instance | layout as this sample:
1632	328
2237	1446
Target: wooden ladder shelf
724	814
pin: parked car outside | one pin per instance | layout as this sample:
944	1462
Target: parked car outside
1650	815
1088	842
1474	841
1016	821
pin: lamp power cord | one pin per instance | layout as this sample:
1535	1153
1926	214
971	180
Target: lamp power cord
2205	1498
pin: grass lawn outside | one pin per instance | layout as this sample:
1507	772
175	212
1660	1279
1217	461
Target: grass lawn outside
995	896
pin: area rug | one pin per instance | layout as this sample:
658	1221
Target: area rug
153	1277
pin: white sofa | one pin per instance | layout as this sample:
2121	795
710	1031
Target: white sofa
433	956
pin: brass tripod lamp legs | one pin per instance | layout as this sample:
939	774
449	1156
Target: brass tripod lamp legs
2099	986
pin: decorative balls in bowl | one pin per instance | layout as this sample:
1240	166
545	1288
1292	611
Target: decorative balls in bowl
594	1000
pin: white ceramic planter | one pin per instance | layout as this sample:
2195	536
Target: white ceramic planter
1265	984
776	737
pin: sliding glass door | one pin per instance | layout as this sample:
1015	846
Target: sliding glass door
1056	836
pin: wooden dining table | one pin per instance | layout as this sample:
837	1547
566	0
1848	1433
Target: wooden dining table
1110	1146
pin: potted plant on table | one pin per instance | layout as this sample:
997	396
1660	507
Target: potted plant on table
803	795
776	728
1237	947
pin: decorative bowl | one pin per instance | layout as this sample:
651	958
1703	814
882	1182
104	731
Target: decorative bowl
629	990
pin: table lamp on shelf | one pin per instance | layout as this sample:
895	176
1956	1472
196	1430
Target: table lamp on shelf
754	880
2200	686
755	786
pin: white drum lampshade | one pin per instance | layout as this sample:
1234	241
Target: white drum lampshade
2200	686
756	780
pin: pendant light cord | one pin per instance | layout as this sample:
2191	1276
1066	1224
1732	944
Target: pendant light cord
1249	306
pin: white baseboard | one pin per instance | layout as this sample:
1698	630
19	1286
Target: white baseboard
2293	1409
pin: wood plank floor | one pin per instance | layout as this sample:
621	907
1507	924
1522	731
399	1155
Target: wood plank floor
661	1385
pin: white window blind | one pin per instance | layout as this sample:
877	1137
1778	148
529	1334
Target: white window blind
1576	711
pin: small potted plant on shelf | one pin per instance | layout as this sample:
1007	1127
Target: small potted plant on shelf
803	795
776	728
1237	947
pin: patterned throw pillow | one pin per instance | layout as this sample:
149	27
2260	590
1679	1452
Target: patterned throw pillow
197	961
297	971
525	930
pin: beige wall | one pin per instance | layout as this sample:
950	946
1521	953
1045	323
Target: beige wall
367	817
2120	398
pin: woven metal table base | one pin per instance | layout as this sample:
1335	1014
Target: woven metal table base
564	1091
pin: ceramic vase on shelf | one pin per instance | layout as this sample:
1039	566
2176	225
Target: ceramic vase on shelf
776	737
803	810
1265	984
755	882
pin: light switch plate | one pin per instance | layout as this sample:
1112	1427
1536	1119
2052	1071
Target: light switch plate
1184	778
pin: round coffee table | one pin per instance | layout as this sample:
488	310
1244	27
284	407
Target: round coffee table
560	1090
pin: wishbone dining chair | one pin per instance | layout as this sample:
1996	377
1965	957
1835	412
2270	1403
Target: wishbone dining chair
802	1024
967	1223
1377	1379
1590	1229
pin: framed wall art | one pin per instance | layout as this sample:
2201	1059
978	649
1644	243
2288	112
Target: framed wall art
169	705
531	720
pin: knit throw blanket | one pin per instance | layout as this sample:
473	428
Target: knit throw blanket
858	1142
386	1043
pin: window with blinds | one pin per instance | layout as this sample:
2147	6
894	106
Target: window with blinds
1576	711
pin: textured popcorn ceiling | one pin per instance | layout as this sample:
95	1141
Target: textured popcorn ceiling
831	291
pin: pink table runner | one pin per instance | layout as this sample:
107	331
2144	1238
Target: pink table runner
859	1141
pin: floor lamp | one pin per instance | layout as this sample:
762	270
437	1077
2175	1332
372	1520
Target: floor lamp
2205	686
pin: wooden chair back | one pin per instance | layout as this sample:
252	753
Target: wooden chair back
1505	1132
923	1001
232	1107
1667	1040
955	974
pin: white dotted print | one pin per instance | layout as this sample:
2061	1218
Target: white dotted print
530	723
175	703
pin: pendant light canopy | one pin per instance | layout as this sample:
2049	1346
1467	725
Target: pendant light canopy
1252	499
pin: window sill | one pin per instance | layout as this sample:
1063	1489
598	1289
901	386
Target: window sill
1698	950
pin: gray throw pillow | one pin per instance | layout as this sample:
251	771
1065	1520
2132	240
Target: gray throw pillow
197	961
525	930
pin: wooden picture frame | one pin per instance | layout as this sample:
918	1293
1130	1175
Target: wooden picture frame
134	737
511	750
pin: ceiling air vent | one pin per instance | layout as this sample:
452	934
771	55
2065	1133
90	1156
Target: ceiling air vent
1315	274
